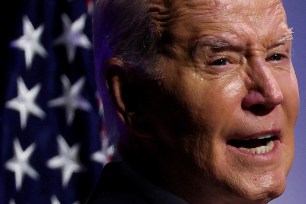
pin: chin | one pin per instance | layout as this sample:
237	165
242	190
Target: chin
261	189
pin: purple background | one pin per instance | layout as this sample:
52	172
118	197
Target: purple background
296	184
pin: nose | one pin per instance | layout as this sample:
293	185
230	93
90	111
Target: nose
264	92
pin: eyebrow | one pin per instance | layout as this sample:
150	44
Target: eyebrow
219	43
288	36
215	43
212	42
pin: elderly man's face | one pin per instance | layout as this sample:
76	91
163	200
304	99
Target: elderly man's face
225	113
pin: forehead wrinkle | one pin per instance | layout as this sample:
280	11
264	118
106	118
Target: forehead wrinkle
161	18
166	12
245	5
199	8
251	11
276	8
181	15
158	9
179	10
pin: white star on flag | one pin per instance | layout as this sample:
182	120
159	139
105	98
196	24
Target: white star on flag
73	36
54	200
30	42
67	160
19	164
105	154
24	103
71	98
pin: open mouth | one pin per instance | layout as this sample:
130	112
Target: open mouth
260	145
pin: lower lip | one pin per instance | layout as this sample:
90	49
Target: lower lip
265	157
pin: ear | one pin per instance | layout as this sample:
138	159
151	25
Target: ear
116	80
121	85
124	87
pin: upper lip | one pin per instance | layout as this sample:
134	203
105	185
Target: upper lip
276	133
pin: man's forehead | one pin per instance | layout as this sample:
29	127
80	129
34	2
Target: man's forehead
171	10
212	4
169	13
253	6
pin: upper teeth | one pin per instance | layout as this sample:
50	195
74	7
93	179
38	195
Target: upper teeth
265	137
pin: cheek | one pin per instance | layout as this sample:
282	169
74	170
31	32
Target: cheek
291	98
295	97
234	89
214	107
290	106
218	104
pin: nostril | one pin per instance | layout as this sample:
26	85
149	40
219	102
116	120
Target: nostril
260	109
260	104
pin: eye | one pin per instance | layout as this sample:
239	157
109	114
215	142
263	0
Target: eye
275	57
220	62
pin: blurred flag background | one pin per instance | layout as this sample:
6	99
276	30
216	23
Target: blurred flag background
52	143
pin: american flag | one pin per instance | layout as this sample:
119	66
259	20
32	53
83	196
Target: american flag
52	143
